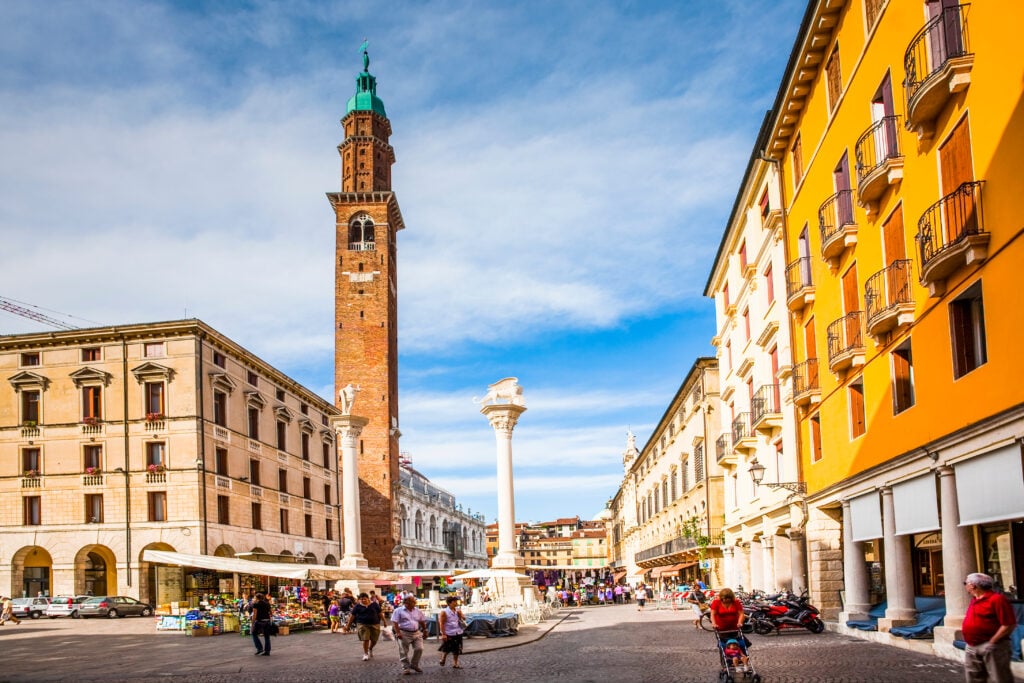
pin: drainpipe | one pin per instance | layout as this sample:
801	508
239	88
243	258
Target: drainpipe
127	470
201	466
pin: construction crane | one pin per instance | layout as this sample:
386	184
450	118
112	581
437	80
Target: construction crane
11	307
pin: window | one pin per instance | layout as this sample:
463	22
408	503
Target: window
872	8
283	518
308	525
967	333
222	462
307	489
223	510
769	284
305	446
31	461
33	510
92	456
153	349
686	476
92	403
743	256
798	160
91	354
279	394
834	75
220	408
902	378
251	378
327	455
94	508
219	360
281	433
856	396
329	529
327	494
154	399
725	297
698	463
30	359
282	480
157	506
304	409
155	453
30	407
254	423
764	206
257	516
254	472
746	322
360	234
815	426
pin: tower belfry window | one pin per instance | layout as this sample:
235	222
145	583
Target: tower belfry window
361	234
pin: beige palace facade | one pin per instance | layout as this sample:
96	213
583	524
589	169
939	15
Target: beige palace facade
165	436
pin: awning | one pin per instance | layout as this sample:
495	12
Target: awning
669	569
429	573
493	573
310	572
865	517
990	487
619	575
916	505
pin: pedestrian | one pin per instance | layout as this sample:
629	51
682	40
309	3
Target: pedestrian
410	628
618	594
451	625
7	611
696	598
346	603
262	621
641	597
334	615
987	627
366	615
727	612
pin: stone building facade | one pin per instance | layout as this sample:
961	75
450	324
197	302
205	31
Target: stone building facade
165	436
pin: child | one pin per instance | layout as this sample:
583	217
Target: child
734	654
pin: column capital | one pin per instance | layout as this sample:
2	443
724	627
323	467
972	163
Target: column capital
349	426
795	534
945	471
503	417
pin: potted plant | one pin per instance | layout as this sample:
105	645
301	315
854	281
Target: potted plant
31	473
90	421
154	417
93	471
30	424
155	468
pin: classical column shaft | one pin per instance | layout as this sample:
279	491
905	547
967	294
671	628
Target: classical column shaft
503	418
798	559
757	566
768	557
729	566
957	550
349	428
855	571
899	573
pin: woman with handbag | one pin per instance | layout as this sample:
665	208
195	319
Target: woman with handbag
452	625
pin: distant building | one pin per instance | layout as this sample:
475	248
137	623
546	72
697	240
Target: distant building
564	543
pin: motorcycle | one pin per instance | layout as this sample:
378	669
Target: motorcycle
786	611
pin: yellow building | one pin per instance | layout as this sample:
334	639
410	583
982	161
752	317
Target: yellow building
899	128
165	436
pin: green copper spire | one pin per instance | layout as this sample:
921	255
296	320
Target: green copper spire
365	98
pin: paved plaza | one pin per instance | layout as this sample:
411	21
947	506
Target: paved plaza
592	644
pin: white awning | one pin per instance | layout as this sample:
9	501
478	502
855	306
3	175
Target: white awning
311	572
865	517
492	573
916	505
990	487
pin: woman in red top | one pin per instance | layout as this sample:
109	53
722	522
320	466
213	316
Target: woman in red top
727	612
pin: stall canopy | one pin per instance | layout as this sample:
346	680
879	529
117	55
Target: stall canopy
492	573
306	572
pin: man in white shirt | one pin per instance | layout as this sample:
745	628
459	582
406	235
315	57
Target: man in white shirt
410	628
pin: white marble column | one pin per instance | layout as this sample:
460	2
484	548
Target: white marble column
957	551
757	567
855	573
503	418
742	564
349	428
798	560
899	572
729	566
768	558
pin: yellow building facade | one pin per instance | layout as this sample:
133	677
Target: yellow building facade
898	129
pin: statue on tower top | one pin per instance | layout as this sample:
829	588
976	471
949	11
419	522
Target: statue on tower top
366	54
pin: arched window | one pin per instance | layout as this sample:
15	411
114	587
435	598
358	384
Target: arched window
404	516
360	233
445	533
419	525
433	529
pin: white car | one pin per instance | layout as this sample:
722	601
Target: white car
29	608
65	606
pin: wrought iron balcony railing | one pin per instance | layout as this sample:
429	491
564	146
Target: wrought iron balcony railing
723	448
885	293
799	282
878	144
805	381
845	340
765	403
741	428
836	222
943	38
681	544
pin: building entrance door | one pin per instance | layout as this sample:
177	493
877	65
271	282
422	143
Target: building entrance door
929	580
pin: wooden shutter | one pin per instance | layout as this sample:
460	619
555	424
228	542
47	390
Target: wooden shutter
957	168
857	425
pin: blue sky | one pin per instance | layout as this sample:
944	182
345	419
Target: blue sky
565	170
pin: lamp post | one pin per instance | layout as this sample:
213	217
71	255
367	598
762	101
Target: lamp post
797	537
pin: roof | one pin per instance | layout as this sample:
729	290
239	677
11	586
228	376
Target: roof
366	98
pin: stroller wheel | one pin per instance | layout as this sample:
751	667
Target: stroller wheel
756	678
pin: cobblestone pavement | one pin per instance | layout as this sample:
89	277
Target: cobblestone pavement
606	644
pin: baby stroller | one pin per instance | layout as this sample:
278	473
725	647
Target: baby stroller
732	652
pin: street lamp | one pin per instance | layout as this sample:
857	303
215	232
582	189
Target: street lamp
757	475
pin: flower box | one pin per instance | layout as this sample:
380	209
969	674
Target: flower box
154	417
155	469
93	470
31	473
91	421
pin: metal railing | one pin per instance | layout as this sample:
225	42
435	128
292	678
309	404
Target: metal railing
362	246
765	402
798	276
943	38
950	220
887	288
680	544
741	427
723	447
878	144
834	214
805	377
846	335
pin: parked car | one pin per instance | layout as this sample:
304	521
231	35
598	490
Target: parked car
29	608
113	606
65	606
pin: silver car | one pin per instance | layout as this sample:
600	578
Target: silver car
114	606
65	606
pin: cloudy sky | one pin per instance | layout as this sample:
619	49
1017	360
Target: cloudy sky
565	170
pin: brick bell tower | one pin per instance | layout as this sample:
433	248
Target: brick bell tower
366	308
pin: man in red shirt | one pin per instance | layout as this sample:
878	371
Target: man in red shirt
987	627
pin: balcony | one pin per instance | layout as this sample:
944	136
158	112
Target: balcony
888	299
92	426
937	65
30	431
743	437
838	229
765	410
879	161
682	544
799	285
805	383
92	480
846	342
156	477
724	454
31	482
951	235
362	246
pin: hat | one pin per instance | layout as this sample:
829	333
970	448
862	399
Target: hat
732	641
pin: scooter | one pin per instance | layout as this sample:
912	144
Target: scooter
786	611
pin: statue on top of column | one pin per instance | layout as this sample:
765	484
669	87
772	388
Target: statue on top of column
348	398
503	391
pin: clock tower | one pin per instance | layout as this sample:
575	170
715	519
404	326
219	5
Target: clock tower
367	220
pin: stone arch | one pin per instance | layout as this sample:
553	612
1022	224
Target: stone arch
95	571
285	553
258	549
31	571
419	564
159	584
224	550
433	565
331	561
310	558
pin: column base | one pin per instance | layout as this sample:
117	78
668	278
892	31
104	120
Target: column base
354	562
886	623
854	613
510	561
